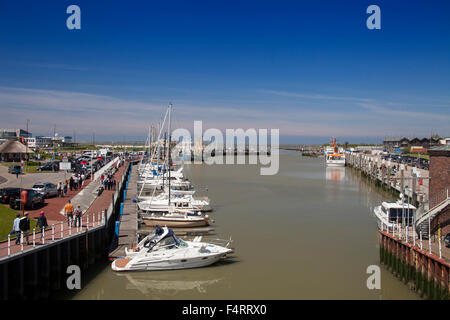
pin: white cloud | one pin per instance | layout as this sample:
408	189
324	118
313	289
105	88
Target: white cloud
107	115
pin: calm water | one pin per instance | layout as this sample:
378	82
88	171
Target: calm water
306	233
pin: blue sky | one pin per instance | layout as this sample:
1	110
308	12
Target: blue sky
310	68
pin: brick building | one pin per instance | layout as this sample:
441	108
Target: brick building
440	185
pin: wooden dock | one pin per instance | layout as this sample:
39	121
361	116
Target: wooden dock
202	231
128	228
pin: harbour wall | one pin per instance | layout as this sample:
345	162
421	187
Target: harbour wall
423	272
39	272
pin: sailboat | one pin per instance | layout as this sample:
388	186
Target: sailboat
165	211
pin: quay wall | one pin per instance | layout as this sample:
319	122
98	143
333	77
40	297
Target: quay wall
39	272
380	173
423	272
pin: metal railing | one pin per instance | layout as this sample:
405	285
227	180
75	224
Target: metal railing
52	233
437	200
409	234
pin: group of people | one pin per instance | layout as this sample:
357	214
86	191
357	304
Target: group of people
21	225
74	183
108	181
73	214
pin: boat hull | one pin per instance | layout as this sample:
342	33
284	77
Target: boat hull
170	223
336	164
168	264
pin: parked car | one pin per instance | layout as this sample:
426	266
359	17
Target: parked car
49	166
7	193
47	189
447	240
34	200
13	168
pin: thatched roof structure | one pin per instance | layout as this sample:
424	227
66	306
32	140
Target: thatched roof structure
14	147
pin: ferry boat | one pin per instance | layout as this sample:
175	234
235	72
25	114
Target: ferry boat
389	214
333	156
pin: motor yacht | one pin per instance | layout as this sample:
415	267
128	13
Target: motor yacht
163	250
389	214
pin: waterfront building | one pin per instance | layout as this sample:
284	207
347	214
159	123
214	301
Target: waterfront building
13	150
14	134
440	186
393	144
445	141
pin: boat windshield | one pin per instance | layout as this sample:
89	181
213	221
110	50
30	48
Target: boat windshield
168	242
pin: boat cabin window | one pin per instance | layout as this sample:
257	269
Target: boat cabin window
395	213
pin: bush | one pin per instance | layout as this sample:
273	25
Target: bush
33	163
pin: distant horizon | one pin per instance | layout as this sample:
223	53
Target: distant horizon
291	140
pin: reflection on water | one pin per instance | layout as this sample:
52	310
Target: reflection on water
335	173
167	284
305	233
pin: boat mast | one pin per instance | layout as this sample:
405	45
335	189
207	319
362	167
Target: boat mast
157	150
168	149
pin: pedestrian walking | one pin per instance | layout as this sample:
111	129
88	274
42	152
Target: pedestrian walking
78	214
68	209
16	228
59	188
24	225
71	183
42	223
17	171
75	182
65	188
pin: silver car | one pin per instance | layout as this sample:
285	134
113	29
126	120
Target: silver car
47	189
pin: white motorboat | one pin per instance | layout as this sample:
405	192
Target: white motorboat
390	214
156	183
163	250
157	172
176	220
161	203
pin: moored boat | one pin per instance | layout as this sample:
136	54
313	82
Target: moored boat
163	250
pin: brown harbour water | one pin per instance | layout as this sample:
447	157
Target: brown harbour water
306	233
